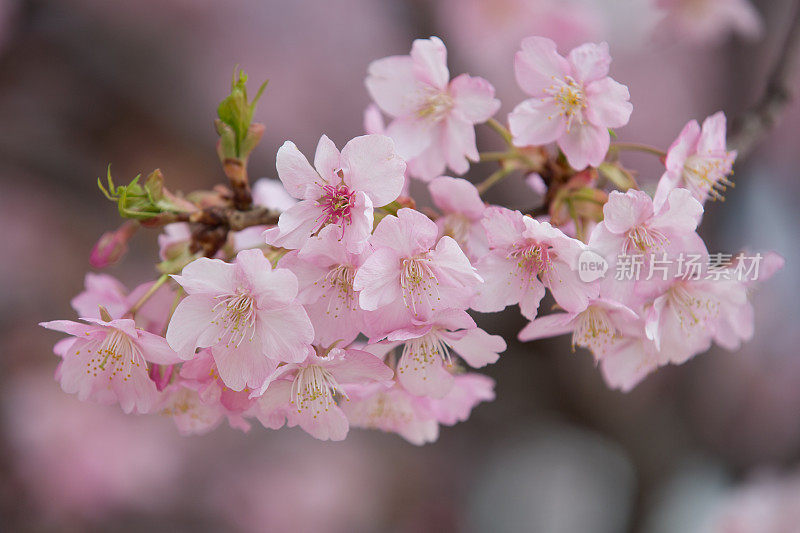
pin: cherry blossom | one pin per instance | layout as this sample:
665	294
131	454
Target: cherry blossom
305	394
341	189
574	101
245	312
409	267
108	362
526	256
699	161
433	117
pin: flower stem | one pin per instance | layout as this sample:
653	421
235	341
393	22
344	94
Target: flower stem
495	177
146	296
636	147
502	130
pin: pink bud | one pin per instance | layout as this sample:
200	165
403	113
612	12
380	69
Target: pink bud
112	245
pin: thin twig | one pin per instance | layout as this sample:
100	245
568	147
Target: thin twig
751	127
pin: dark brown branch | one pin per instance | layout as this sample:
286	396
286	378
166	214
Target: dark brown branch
212	224
750	128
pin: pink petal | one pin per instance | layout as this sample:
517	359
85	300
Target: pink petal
272	404
607	103
627	210
356	366
502	285
409	233
296	173
71	328
530	297
584	145
286	333
207	275
712	137
191	325
371	165
535	122
456	195
424	375
431	162
378	279
412	135
326	160
503	226
682	147
373	120
244	365
589	62
478	348
625	367
295	225
391	82
547	326
448	256
156	349
320	421
681	212
537	63
569	291
459	144
430	62
474	98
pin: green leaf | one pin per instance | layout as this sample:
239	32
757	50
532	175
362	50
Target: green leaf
236	112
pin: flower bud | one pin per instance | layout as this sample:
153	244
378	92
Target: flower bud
112	245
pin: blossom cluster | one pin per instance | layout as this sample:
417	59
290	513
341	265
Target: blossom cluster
352	309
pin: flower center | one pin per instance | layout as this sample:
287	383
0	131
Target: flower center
236	313
593	330
314	388
418	283
435	106
569	96
336	202
691	309
707	175
423	352
339	282
534	259
117	353
643	239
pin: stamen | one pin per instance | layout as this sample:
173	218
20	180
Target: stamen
418	282
707	174
237	314
422	352
116	352
643	239
594	330
314	388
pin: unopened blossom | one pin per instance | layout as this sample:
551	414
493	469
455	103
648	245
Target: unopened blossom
245	312
305	394
340	190
112	245
573	100
409	268
699	161
599	327
710	21
433	117
462	213
325	271
416	418
108	362
426	351
525	257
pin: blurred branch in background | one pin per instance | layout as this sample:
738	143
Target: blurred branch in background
750	128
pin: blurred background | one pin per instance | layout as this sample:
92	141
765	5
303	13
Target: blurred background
712	446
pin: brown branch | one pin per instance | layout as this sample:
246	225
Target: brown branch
751	127
212	224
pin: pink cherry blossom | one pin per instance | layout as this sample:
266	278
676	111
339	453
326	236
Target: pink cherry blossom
710	21
526	256
107	362
462	210
245	312
574	101
341	189
698	160
632	227
305	394
425	358
416	418
433	117
600	327
325	271
409	267
374	124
